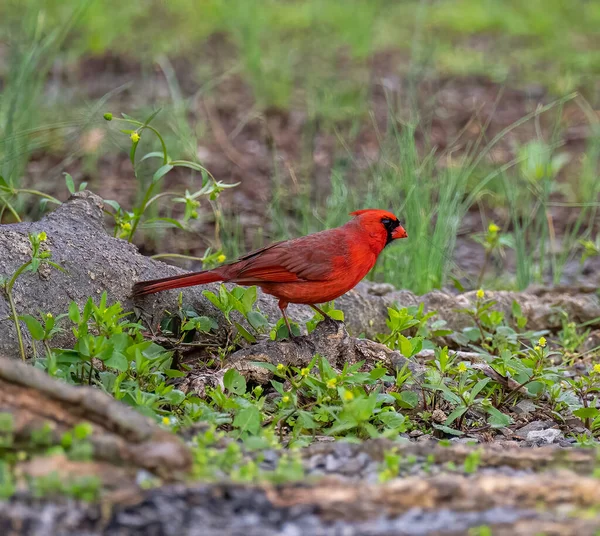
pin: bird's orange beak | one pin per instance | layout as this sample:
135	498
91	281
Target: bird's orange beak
399	232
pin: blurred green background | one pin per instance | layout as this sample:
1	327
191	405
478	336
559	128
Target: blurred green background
461	116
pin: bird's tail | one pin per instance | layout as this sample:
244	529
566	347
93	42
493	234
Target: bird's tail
177	281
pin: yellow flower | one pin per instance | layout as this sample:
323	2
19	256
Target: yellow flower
462	368
597	368
126	226
48	315
537	348
135	137
280	367
348	396
166	420
493	228
304	371
480	294
221	258
285	399
331	383
542	342
42	237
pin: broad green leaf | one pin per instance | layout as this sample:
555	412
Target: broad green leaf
248	420
34	326
586	413
391	419
257	320
234	382
118	361
405	346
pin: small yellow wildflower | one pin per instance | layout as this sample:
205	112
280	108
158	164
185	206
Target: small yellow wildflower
42	237
331	383
537	348
462	367
126	226
166	420
221	258
285	399
348	396
542	342
493	228
304	371
597	368
280	367
135	137
480	294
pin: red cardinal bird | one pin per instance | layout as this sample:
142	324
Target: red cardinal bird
311	269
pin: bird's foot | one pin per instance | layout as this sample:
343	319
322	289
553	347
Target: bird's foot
328	321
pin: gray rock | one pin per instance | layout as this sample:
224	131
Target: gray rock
548	436
524	407
533	426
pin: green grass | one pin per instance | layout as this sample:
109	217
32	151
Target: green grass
311	56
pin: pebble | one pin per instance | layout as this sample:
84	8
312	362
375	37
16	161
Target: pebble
534	426
547	437
525	407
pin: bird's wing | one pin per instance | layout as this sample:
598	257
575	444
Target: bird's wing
309	258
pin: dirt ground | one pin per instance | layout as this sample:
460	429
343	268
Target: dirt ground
239	143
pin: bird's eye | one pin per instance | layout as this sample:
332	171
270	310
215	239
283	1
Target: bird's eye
386	221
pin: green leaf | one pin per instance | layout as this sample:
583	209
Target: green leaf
377	373
34	326
70	183
170	373
391	419
586	413
234	382
132	152
406	399
478	387
248	420
405	346
175	397
161	172
497	419
152	116
159	223
257	320
249	298
153	154
245	333
458	412
118	361
447	429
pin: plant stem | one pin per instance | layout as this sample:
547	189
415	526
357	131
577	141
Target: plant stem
16	321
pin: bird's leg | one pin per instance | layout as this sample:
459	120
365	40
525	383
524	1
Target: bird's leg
326	317
321	312
282	307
